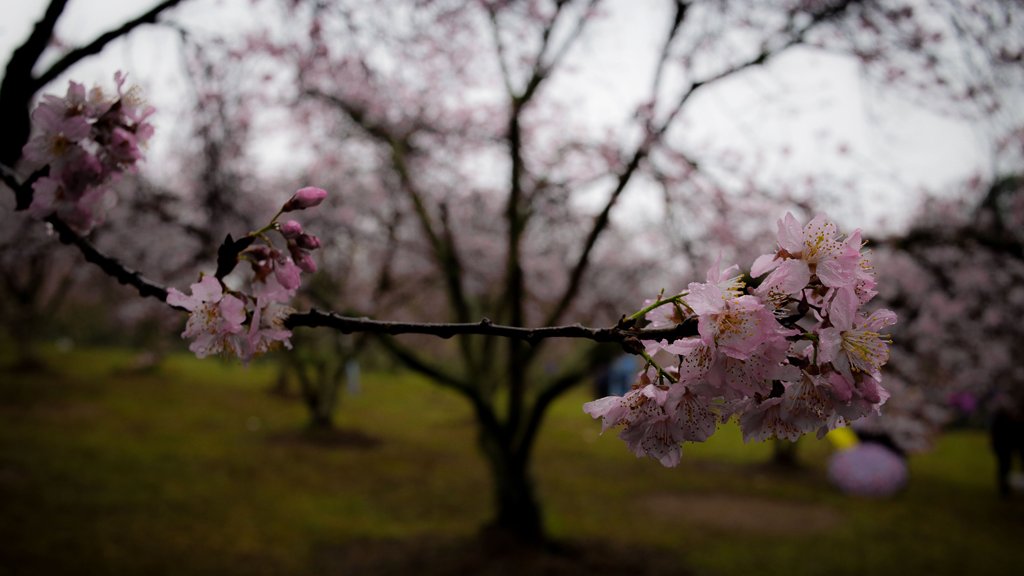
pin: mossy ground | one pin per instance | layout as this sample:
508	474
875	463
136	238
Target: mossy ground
194	468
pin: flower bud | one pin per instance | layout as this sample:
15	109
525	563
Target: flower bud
307	242
305	262
259	252
291	229
307	197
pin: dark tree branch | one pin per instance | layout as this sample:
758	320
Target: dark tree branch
499	48
677	20
18	85
549	394
600	223
577	31
10	179
443	243
485	414
657	133
517	211
622	334
410	359
97	45
109	265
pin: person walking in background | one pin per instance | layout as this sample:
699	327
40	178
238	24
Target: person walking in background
1007	437
621	374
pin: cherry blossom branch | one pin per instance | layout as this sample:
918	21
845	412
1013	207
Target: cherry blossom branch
625	334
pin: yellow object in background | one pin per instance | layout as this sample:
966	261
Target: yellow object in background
842	438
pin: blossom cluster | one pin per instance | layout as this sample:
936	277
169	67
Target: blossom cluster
248	323
793	354
86	139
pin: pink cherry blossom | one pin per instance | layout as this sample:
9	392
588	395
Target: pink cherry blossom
58	134
85	141
215	319
288	275
692	414
734	378
741	326
266	329
664	316
809	405
721	286
814	249
648	428
818	372
764	420
856	347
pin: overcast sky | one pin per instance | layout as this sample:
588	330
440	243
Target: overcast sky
881	132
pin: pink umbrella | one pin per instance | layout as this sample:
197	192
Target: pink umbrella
868	469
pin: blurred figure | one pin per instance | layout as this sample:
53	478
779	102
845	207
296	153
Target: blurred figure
1007	436
621	374
868	470
352	376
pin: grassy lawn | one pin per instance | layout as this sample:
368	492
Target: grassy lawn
195	469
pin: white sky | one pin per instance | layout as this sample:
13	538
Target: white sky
910	145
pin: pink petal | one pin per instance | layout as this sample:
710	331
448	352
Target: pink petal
177	298
830	341
764	263
790	277
704	298
880	319
208	289
841	387
842	310
75	128
232	310
610	408
791	234
836	272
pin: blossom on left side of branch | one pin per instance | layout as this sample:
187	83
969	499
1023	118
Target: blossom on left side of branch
87	139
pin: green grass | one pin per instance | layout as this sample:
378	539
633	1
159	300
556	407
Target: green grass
195	469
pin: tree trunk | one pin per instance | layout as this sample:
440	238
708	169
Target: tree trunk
517	511
319	420
784	454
